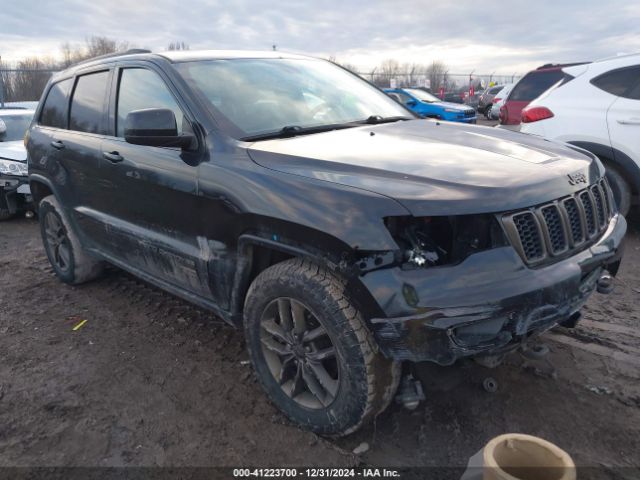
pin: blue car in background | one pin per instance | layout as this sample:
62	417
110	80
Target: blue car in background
428	105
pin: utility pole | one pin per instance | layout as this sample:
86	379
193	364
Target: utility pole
1	85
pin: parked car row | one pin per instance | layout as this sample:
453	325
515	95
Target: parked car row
428	105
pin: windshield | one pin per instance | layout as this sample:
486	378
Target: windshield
423	96
13	127
266	95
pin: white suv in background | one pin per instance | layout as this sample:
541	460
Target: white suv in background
596	107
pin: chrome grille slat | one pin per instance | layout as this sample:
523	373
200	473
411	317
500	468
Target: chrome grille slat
553	229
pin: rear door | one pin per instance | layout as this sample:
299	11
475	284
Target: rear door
623	116
149	194
81	147
45	149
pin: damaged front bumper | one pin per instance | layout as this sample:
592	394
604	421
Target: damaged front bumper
15	195
486	305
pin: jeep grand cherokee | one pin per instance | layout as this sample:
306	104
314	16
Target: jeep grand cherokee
297	201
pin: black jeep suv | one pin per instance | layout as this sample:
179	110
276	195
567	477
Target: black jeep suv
301	203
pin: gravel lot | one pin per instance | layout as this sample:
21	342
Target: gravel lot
151	380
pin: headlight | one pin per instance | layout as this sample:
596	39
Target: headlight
433	241
8	167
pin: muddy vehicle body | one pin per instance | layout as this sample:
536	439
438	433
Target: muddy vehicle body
298	202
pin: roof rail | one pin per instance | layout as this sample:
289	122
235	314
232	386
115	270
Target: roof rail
561	65
131	51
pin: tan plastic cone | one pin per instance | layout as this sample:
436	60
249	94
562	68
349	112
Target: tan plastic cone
514	456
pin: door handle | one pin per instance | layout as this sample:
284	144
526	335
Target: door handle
113	157
629	121
57	144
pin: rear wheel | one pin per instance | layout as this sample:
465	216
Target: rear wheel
620	188
312	351
70	262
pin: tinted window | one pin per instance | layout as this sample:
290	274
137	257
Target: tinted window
54	111
87	104
623	82
534	84
495	90
140	89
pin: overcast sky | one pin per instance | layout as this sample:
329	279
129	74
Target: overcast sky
501	36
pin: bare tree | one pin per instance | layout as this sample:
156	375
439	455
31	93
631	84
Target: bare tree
437	74
94	47
26	80
349	66
178	46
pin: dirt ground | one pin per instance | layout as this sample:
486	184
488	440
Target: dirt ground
150	380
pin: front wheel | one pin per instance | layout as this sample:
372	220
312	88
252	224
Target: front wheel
312	352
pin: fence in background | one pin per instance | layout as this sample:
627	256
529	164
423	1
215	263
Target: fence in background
19	84
449	81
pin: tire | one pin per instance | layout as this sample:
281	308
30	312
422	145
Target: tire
353	386
620	188
70	262
487	112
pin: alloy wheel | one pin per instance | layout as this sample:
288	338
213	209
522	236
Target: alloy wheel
57	241
299	353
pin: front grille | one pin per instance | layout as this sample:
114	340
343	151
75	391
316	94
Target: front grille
469	113
546	232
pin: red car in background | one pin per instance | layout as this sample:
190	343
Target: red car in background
531	86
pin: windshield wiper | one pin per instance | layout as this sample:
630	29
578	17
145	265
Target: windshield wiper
295	130
377	119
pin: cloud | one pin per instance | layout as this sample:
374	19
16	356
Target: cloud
505	37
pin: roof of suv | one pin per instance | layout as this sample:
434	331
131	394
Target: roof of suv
557	66
179	56
190	55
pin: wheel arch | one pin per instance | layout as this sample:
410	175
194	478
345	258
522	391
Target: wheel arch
41	187
256	253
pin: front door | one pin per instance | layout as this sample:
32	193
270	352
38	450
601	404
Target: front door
149	194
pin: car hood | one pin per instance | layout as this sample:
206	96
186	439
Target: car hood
435	168
13	151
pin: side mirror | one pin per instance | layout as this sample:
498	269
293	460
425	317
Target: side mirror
411	103
154	127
